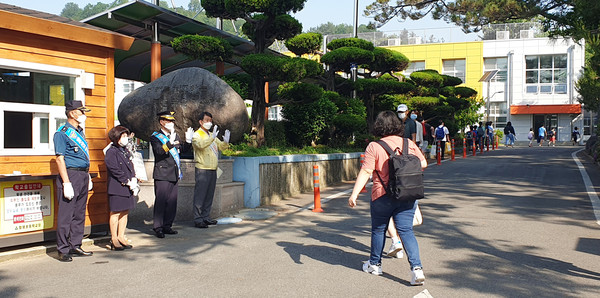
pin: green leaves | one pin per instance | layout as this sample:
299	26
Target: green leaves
341	58
205	48
273	68
307	43
385	60
427	78
300	92
350	42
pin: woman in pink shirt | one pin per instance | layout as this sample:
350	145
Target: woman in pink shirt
389	127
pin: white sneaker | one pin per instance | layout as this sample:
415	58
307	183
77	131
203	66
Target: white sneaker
400	254
396	250
418	278
373	269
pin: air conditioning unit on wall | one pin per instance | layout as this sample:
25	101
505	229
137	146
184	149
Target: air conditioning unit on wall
502	35
394	42
414	40
526	34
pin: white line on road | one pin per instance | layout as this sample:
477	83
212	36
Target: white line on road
588	186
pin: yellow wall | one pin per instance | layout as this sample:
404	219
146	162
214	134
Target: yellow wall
433	54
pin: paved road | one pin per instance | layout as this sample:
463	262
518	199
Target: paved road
511	223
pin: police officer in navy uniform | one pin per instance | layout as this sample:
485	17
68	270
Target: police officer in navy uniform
166	146
73	161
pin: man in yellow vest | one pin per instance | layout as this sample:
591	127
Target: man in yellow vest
206	156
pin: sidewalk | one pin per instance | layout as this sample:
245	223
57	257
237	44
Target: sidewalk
143	236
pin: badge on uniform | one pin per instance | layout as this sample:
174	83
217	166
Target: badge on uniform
76	149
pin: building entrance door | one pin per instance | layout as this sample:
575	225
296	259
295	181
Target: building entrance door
538	120
548	120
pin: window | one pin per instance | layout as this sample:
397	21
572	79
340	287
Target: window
414	66
454	68
32	105
128	87
274	113
498	108
500	64
546	74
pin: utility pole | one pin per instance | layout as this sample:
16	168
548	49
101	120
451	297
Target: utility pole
355	32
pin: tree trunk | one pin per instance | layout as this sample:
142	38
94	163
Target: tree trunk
370	105
258	111
330	78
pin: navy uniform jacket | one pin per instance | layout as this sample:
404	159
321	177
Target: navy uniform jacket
120	170
165	167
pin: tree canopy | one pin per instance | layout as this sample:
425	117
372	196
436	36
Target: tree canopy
331	29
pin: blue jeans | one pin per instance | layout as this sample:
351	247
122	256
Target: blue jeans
510	139
402	212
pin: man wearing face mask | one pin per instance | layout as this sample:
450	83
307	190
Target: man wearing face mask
206	156
166	146
410	126
73	183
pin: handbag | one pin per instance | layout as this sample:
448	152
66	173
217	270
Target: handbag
418	218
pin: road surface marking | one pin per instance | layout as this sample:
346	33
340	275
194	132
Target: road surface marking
588	186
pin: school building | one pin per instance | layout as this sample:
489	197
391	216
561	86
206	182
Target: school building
529	80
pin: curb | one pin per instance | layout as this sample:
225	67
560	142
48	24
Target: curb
44	249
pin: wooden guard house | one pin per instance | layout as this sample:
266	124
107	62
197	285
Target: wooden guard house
46	60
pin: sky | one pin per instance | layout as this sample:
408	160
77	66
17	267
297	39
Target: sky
315	12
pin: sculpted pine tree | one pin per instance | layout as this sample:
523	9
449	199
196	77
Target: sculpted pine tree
266	21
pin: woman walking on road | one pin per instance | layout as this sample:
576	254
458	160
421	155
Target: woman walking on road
383	207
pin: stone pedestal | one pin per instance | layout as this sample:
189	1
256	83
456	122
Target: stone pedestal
229	195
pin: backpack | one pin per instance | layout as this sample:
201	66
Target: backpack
439	133
469	135
405	174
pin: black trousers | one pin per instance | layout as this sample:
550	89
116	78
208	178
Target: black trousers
204	192
70	221
165	203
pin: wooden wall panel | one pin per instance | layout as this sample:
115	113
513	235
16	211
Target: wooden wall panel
91	59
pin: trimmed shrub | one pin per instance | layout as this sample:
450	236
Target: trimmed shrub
306	43
350	42
427	78
205	48
340	59
275	134
464	92
388	61
451	81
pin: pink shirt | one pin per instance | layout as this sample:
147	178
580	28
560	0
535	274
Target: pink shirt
376	159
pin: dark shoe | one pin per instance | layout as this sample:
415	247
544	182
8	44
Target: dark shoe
113	247
170	231
201	225
127	246
78	252
159	233
64	257
210	221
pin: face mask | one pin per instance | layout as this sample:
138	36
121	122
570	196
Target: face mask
170	126
401	116
413	116
81	119
123	141
207	125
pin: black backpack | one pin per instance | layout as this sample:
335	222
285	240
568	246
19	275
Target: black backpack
405	174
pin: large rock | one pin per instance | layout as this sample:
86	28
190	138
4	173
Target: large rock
188	92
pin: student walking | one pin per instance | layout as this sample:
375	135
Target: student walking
509	133
384	207
530	136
